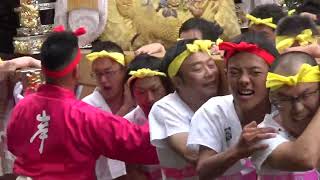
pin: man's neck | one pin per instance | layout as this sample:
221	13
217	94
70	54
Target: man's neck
69	86
146	112
193	102
255	114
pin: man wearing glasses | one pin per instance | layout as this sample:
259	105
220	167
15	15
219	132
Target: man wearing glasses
109	71
55	136
111	95
294	90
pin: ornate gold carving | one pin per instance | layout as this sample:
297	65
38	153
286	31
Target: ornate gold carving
31	78
29	15
132	23
28	45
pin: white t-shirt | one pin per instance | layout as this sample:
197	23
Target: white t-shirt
138	117
167	117
216	125
106	169
259	157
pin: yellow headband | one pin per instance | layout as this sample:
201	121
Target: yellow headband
257	21
304	38
1	61
198	45
291	12
218	41
144	72
118	57
306	74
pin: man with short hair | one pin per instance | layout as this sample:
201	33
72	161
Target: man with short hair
55	136
109	71
111	95
195	77
295	92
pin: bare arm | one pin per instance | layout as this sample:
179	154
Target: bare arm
212	164
153	49
302	154
17	63
312	49
116	137
178	143
313	17
215	164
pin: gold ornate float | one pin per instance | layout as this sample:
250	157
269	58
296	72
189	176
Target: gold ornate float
132	23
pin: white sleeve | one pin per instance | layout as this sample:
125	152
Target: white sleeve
259	157
117	168
17	92
129	116
109	169
207	128
166	121
89	100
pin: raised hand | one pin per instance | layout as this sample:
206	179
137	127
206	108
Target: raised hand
250	136
312	49
128	102
154	49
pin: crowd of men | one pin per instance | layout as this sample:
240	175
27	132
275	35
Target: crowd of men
172	117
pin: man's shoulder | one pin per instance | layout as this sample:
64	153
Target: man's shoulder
89	98
218	100
218	103
87	110
27	100
168	98
82	106
96	99
171	103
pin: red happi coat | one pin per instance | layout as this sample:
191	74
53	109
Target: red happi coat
55	136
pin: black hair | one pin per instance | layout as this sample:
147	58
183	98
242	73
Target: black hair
294	25
149	62
144	61
110	46
289	60
273	11
209	30
173	52
58	50
310	6
258	38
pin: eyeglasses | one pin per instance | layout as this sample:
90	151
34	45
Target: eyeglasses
108	74
288	102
